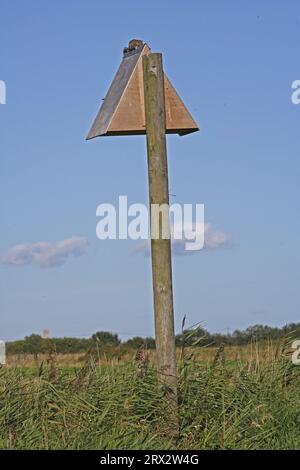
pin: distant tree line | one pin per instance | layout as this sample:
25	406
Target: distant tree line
106	342
200	336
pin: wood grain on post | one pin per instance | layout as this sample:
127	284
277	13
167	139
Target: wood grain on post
160	248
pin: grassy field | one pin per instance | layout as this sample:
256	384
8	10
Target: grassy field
243	398
258	352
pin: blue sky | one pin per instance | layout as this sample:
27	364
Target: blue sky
233	63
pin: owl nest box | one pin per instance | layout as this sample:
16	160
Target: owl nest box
123	109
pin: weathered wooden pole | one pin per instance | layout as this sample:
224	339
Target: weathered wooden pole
125	112
154	95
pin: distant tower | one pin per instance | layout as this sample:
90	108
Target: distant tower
46	334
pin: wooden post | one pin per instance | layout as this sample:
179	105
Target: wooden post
160	248
124	112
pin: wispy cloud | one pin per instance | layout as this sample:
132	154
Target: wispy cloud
213	240
44	254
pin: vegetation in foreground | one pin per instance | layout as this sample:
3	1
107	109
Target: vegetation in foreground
222	405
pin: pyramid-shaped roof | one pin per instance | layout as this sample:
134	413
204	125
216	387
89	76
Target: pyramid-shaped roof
123	110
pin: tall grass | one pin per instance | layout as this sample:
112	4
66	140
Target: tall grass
222	405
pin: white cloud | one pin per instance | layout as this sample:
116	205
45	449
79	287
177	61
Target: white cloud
213	240
44	254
